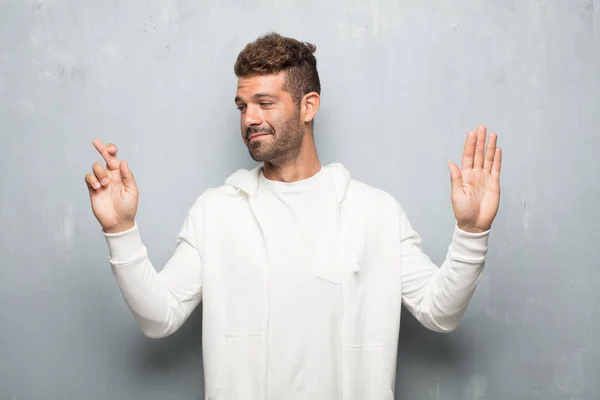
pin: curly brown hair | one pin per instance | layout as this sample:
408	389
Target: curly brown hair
272	53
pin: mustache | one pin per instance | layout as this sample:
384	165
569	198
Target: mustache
258	129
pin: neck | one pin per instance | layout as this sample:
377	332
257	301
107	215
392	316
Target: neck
305	165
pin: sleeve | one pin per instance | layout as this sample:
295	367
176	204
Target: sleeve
438	296
160	302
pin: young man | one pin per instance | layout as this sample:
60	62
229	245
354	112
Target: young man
301	269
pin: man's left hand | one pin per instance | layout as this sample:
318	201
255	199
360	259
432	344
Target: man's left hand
475	188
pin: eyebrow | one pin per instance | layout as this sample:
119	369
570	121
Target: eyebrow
258	96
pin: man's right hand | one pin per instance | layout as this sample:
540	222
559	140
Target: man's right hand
113	191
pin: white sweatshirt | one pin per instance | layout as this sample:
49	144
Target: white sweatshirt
299	235
301	285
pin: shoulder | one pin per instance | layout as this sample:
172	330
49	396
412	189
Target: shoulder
374	205
220	195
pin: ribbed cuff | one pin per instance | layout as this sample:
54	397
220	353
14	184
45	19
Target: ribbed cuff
124	247
468	246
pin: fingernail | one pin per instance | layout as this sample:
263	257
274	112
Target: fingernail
96	185
105	181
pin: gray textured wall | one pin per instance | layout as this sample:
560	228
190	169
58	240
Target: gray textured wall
402	83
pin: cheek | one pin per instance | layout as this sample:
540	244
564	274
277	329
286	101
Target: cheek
243	130
275	119
244	121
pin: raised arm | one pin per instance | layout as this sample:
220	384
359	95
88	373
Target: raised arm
438	297
160	302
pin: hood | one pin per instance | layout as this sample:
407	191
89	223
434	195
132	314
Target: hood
247	180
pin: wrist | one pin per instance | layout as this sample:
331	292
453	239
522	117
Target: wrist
471	228
118	228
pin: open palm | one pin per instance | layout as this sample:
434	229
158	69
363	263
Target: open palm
475	189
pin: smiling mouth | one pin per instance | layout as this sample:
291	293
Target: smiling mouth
256	135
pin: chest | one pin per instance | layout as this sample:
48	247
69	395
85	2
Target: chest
248	251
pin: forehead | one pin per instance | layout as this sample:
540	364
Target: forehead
248	86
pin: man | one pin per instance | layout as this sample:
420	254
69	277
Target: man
301	269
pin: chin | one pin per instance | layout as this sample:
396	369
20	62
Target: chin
256	154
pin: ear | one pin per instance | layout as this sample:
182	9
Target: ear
309	106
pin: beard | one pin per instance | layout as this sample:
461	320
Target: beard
283	144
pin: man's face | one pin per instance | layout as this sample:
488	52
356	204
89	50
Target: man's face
269	119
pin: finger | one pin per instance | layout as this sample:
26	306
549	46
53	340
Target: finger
490	152
469	151
100	173
497	163
126	175
455	177
111	148
92	182
479	147
111	160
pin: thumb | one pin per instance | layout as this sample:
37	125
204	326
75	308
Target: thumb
126	175
455	177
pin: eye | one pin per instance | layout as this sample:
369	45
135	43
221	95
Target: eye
265	104
241	108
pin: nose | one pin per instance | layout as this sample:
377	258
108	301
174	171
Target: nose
252	116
